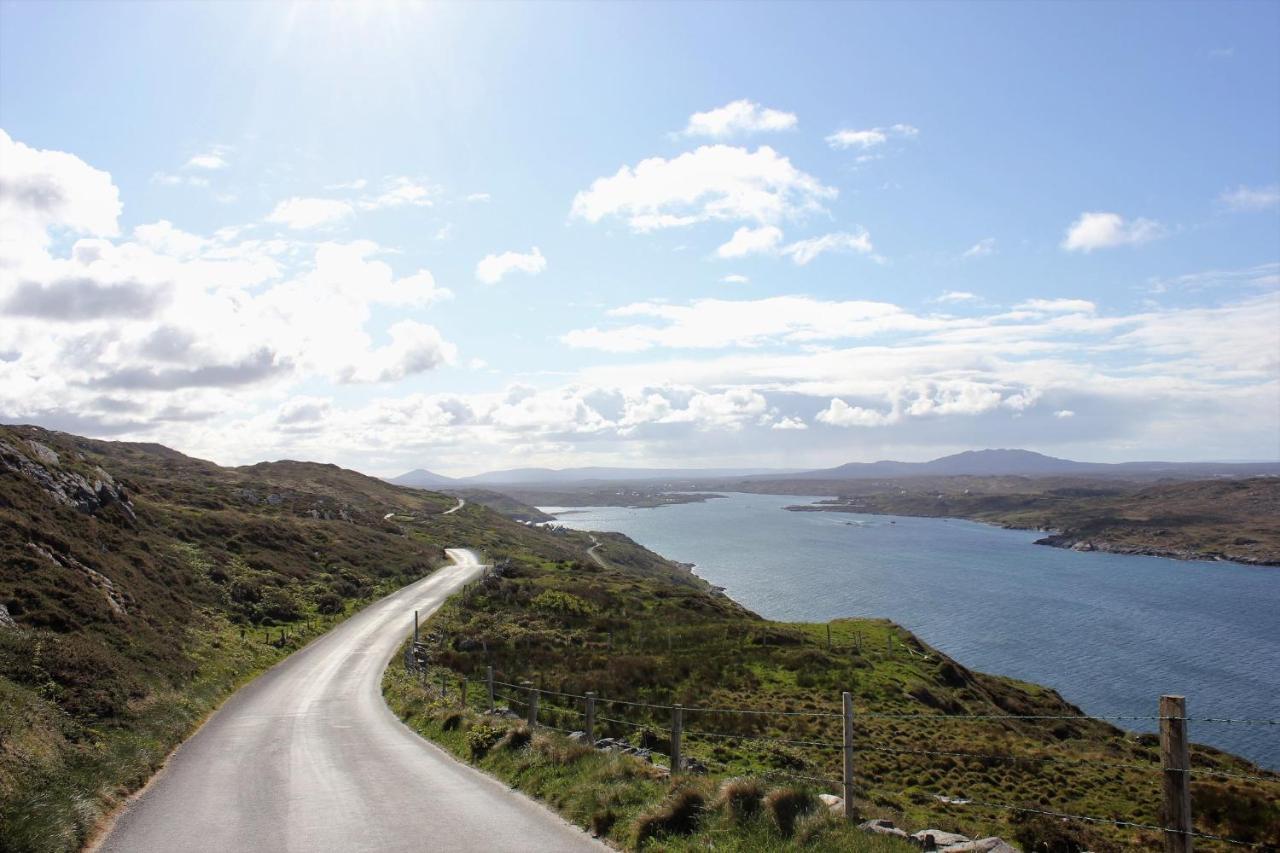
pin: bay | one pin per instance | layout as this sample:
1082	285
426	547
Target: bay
1110	632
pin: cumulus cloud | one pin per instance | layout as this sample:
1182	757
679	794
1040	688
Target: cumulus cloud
1064	413
751	241
44	191
981	249
871	137
1244	198
1101	230
398	191
804	251
767	240
734	278
74	299
493	268
789	424
738	117
713	182
300	213
262	364
956	296
414	348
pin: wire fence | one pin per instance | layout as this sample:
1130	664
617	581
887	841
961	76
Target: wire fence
663	725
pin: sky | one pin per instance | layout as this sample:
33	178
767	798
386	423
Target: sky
473	236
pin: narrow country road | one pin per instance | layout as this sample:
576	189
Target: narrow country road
453	509
308	758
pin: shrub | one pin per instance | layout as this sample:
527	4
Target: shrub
677	815
560	750
741	798
517	737
786	805
481	738
451	721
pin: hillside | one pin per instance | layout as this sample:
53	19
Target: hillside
138	587
926	726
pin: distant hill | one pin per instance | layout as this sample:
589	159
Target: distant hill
420	478
1027	463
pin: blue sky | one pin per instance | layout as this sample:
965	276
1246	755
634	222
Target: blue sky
472	236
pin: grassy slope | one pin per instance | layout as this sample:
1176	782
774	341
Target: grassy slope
92	697
573	627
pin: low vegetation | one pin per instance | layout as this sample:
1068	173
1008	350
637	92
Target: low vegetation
572	626
140	587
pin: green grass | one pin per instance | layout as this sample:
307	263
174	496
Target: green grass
618	797
571	627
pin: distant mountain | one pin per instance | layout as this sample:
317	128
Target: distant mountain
1027	463
420	478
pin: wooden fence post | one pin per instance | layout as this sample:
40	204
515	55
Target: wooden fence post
591	718
415	627
677	728
444	689
847	699
1175	758
462	691
533	706
488	680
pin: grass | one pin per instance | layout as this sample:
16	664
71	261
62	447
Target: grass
572	627
620	798
134	622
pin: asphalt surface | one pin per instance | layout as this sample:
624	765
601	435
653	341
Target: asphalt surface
307	757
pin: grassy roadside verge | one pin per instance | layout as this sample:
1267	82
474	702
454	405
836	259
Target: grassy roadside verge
621	799
63	778
938	745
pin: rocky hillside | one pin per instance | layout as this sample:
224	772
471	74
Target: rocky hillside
138	587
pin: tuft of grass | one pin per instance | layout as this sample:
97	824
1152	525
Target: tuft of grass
740	798
787	805
679	814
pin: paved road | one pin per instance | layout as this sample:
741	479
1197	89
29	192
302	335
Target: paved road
308	758
452	510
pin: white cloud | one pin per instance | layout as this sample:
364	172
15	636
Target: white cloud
738	117
1064	413
871	137
1055	306
43	191
956	296
841	414
1101	230
750	241
414	348
300	213
981	249
713	182
398	192
493	268
1244	198
208	160
789	423
718	323
804	251
478	197
734	278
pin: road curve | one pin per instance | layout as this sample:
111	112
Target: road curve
461	503
307	757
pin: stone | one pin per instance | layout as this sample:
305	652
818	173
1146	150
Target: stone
932	839
834	804
882	827
578	737
6	621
